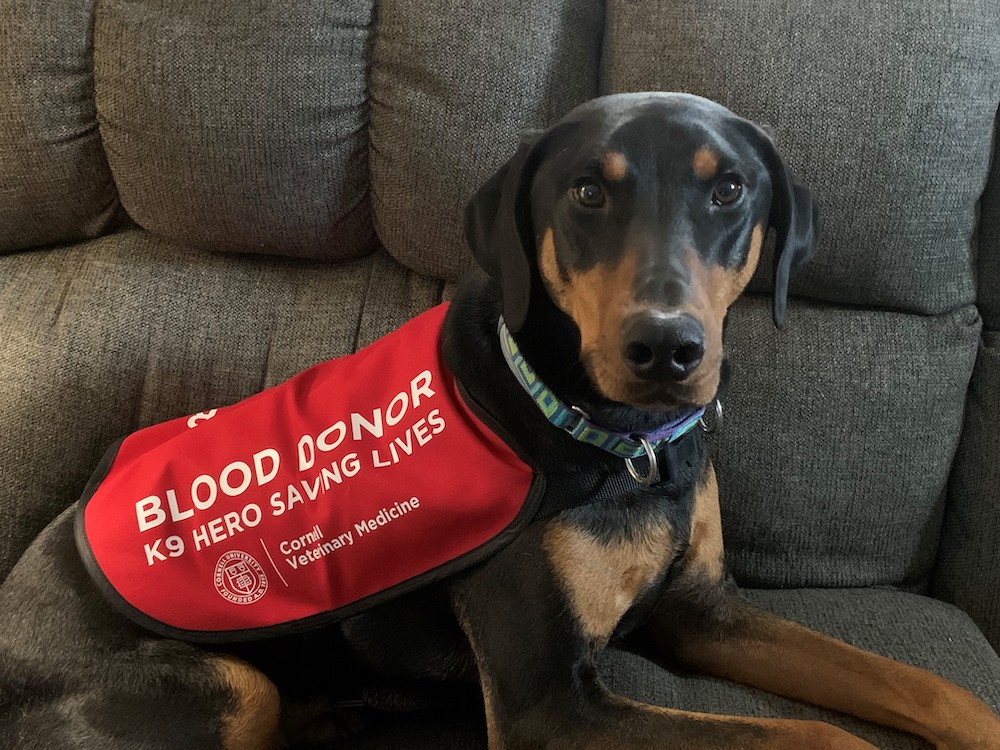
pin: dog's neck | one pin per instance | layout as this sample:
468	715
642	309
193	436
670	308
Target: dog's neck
573	420
549	343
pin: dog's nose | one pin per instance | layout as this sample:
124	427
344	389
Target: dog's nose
658	346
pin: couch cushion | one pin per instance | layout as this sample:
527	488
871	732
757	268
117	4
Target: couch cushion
892	132
968	569
838	438
988	244
239	127
453	86
55	185
907	627
106	336
914	629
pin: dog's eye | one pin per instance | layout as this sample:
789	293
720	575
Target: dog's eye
588	194
727	190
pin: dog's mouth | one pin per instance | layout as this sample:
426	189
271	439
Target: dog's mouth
613	382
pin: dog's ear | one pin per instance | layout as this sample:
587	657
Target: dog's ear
499	229
794	216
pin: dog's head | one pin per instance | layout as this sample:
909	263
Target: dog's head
640	218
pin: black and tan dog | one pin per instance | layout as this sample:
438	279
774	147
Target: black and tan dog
614	244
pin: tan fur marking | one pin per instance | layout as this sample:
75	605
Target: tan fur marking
602	580
790	660
253	722
614	166
597	300
714	290
705	551
705	163
549	265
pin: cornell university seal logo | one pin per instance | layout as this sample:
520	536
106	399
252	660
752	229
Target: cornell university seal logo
239	578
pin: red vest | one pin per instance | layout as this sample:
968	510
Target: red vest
359	479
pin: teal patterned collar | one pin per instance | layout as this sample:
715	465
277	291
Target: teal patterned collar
572	420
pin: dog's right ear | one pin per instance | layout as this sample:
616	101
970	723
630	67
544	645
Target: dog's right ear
499	229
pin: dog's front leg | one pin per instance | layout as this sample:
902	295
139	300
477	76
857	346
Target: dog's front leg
702	622
538	613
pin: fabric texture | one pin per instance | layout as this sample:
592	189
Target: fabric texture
837	440
55	185
239	127
968	569
988	246
907	627
129	330
885	110
452	90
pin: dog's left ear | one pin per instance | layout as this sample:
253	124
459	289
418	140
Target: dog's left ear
795	218
499	229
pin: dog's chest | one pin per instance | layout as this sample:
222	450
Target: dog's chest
603	577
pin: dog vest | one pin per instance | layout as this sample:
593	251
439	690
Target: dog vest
357	480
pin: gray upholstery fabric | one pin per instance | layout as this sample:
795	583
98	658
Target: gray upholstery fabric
907	627
453	87
55	185
988	240
968	571
239	127
129	330
911	628
839	433
885	110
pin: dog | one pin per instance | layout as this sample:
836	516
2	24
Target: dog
613	245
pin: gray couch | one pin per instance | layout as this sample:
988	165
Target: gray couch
198	200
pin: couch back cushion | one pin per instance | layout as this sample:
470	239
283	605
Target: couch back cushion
968	570
55	185
835	455
453	88
239	126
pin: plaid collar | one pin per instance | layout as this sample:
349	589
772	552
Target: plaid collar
574	421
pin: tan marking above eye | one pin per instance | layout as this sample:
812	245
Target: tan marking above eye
614	166
705	163
602	580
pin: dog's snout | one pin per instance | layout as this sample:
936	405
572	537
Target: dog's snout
661	347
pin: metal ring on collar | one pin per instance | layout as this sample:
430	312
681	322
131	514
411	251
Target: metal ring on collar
715	423
652	474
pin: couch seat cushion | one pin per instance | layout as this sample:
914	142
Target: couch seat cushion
909	627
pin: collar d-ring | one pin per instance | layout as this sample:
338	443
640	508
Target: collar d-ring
652	474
